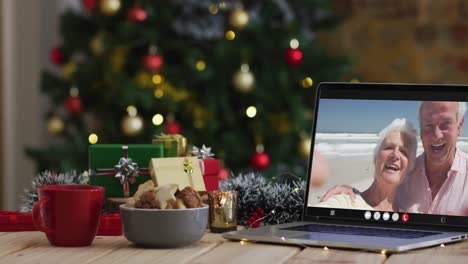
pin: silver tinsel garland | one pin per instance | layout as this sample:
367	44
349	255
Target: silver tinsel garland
29	198
281	202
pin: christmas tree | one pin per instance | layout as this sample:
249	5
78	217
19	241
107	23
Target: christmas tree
237	76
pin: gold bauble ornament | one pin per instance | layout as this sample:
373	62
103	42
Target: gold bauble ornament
93	139
304	147
132	125
239	18
55	125
243	80
110	7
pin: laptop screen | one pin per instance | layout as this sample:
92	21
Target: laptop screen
399	149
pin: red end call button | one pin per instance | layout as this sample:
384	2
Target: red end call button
404	217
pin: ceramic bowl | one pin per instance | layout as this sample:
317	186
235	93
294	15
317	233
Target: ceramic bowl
163	228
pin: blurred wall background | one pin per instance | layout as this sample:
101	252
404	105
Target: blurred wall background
423	41
28	29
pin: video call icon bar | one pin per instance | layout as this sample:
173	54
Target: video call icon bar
386	216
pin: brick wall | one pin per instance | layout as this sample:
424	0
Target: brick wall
404	40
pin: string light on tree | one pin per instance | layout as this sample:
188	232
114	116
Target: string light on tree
157	79
110	7
157	119
294	43
293	54
251	111
93	139
56	56
152	61
260	160
244	80
239	18
55	125
73	103
200	65
132	124
136	14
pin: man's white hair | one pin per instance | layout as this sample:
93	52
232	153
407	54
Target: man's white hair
405	127
461	109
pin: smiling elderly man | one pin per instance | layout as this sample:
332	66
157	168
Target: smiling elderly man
439	182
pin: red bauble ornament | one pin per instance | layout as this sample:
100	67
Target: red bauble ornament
73	105
152	62
172	127
294	56
56	56
136	14
89	5
260	160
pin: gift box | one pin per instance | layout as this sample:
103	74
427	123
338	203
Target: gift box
110	225
121	168
210	169
184	171
16	221
174	145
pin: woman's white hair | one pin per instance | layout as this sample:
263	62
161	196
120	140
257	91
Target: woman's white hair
403	126
461	109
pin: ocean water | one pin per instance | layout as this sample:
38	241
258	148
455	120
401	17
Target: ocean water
335	145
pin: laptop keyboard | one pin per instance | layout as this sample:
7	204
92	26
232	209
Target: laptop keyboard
361	231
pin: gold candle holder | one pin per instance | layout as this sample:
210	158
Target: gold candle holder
223	211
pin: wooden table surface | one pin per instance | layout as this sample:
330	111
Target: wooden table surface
33	247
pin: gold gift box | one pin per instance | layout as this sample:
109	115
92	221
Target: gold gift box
174	145
184	171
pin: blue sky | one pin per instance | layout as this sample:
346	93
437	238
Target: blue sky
365	116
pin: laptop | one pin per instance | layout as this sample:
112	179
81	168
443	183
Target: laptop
348	119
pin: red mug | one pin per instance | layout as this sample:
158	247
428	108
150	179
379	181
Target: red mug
69	214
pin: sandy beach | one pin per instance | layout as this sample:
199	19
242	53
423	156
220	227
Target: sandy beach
354	171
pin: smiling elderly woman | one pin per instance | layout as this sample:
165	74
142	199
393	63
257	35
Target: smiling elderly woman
394	157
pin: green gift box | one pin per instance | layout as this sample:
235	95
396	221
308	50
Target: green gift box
106	159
